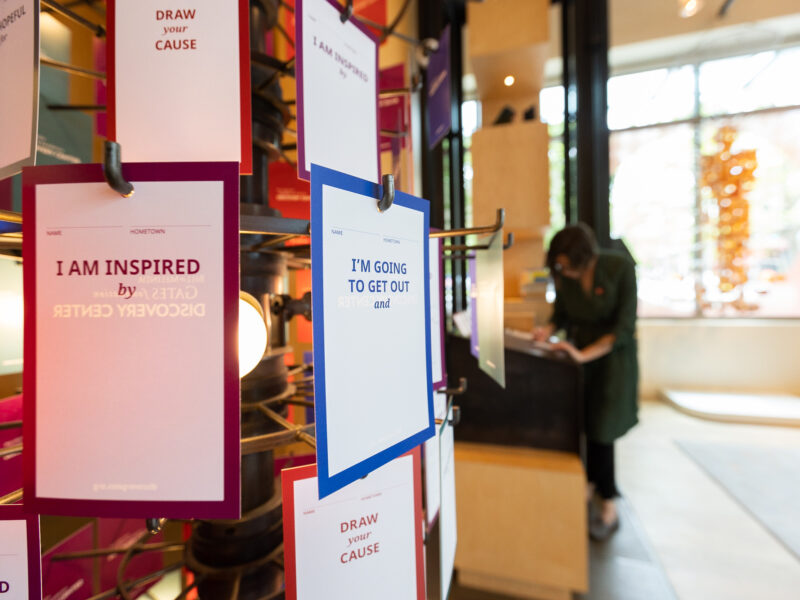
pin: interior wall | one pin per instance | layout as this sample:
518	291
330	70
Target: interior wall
711	354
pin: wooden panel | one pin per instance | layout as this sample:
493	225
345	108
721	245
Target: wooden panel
510	587
522	515
525	64
511	171
499	25
523	254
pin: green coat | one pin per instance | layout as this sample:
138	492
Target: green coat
610	382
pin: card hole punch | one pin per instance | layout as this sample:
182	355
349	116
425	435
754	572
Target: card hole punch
387	197
112	170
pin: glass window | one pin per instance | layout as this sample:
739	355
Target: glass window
649	97
772	249
652	204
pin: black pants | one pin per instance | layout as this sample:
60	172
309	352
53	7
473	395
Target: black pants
600	468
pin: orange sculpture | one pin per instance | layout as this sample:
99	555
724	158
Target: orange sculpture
730	176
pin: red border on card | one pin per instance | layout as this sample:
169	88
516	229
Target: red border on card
18	512
111	69
289	476
230	506
246	158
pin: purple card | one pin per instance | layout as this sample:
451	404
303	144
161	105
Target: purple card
438	101
20	563
71	579
10	465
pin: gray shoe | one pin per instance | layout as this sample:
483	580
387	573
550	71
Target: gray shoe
600	531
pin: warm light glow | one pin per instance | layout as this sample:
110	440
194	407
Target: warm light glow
11	310
689	8
509	80
252	333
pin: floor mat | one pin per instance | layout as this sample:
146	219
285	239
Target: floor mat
763	479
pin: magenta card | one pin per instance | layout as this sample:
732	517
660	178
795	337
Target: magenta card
20	562
10	465
69	579
131	354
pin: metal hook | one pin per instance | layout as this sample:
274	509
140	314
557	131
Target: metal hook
501	219
462	388
387	198
347	11
112	169
154	525
465	247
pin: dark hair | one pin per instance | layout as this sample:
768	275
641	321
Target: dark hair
576	242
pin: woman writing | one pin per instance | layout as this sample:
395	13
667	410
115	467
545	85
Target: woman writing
596	305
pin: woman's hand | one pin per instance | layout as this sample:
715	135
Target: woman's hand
542	334
573	352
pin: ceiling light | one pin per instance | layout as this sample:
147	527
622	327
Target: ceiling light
689	8
509	80
252	333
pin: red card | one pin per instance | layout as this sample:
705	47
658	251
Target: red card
361	541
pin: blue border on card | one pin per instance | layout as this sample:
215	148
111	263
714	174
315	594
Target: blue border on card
323	176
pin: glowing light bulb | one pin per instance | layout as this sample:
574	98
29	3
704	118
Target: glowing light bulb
252	333
509	80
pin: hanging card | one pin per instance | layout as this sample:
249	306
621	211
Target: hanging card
362	542
19	84
20	562
372	367
490	310
337	92
437	314
179	81
131	375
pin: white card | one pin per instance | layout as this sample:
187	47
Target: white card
432	487
437	312
448	533
178	85
372	378
20	568
130	341
337	92
361	542
19	84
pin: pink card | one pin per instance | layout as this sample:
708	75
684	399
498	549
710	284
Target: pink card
131	372
20	564
364	540
179	81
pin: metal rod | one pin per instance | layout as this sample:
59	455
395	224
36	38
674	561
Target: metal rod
10	216
11	450
49	62
137	582
12	497
198	579
162	546
299	433
85	107
501	218
57	8
10	425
